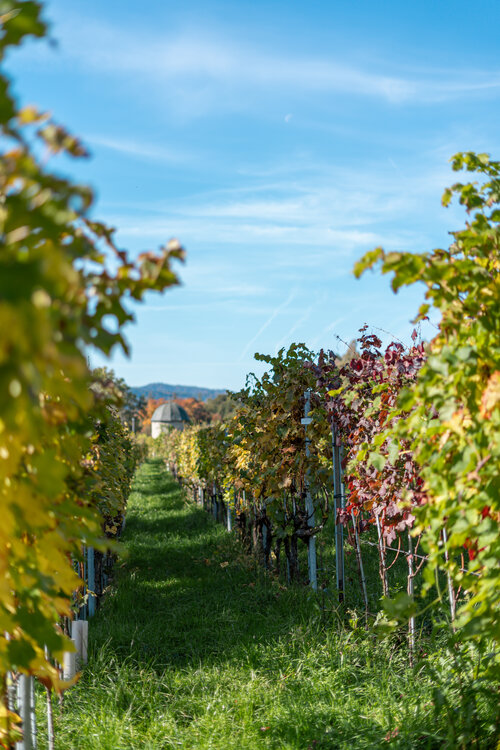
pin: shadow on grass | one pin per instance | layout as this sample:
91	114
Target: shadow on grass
186	599
187	595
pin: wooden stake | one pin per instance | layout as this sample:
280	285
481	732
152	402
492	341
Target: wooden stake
382	558
359	559
411	590
451	593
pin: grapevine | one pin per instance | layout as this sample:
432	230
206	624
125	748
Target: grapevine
57	290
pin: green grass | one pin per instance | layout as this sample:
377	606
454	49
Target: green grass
196	647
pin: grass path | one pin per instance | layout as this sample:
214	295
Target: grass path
195	647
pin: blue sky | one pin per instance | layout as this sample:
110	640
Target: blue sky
279	141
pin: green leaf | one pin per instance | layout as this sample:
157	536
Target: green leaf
401	607
368	261
377	460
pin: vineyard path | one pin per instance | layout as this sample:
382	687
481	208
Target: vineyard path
195	646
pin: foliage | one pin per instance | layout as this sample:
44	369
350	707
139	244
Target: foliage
113	455
147	412
351	352
58	292
453	422
268	427
361	396
221	407
196	410
260	454
245	662
128	404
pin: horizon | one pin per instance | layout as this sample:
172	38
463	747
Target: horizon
193	388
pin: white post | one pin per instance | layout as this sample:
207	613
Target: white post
410	590
85	640
24	710
311	548
76	637
338	502
381	553
91	581
50	716
69	665
229	513
80	636
34	730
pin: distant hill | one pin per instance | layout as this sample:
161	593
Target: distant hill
164	390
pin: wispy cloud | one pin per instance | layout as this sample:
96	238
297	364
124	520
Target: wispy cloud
332	326
303	318
199	67
325	194
247	234
320	338
267	323
139	149
321	218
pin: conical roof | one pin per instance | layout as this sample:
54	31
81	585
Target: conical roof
170	412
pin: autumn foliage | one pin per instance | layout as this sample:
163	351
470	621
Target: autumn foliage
64	463
383	480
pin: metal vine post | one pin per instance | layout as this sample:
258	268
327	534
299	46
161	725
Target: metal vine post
311	546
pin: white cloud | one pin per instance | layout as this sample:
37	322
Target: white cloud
138	149
330	214
267	323
200	71
295	327
244	234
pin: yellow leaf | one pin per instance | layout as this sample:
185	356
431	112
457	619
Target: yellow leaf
491	395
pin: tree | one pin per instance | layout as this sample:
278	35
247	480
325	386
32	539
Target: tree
147	412
221	407
196	410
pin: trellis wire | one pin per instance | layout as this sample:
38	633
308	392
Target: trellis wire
394	549
414	554
339	504
382	547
